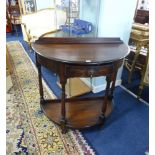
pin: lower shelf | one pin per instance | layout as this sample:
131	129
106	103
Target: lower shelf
79	114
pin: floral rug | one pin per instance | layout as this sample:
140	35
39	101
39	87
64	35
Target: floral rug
28	130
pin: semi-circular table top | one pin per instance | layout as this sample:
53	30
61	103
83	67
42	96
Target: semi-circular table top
81	50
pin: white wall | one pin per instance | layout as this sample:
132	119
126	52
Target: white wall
116	18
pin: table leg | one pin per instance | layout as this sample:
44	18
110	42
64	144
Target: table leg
40	84
63	108
106	97
113	84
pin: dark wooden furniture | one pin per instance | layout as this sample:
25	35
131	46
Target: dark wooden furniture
79	57
13	15
142	16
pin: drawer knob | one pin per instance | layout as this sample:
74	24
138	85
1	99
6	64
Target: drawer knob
91	72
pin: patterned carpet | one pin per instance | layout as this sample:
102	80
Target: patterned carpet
28	130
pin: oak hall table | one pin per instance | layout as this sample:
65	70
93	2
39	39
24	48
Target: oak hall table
79	57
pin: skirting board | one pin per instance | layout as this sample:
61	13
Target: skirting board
96	89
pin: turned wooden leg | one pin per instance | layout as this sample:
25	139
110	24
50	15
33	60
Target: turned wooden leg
63	108
113	84
40	84
30	47
134	63
106	97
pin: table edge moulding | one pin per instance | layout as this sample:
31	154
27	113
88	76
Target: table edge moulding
79	57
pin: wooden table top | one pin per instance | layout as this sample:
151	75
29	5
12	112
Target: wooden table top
81	50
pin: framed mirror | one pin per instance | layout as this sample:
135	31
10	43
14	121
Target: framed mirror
27	6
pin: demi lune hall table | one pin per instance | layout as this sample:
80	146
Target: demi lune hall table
79	57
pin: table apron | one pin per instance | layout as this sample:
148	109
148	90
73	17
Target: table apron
71	70
88	71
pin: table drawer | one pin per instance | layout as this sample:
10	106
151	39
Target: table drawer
87	71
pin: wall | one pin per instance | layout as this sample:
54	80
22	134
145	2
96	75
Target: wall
115	20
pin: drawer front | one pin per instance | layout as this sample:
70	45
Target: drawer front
87	71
